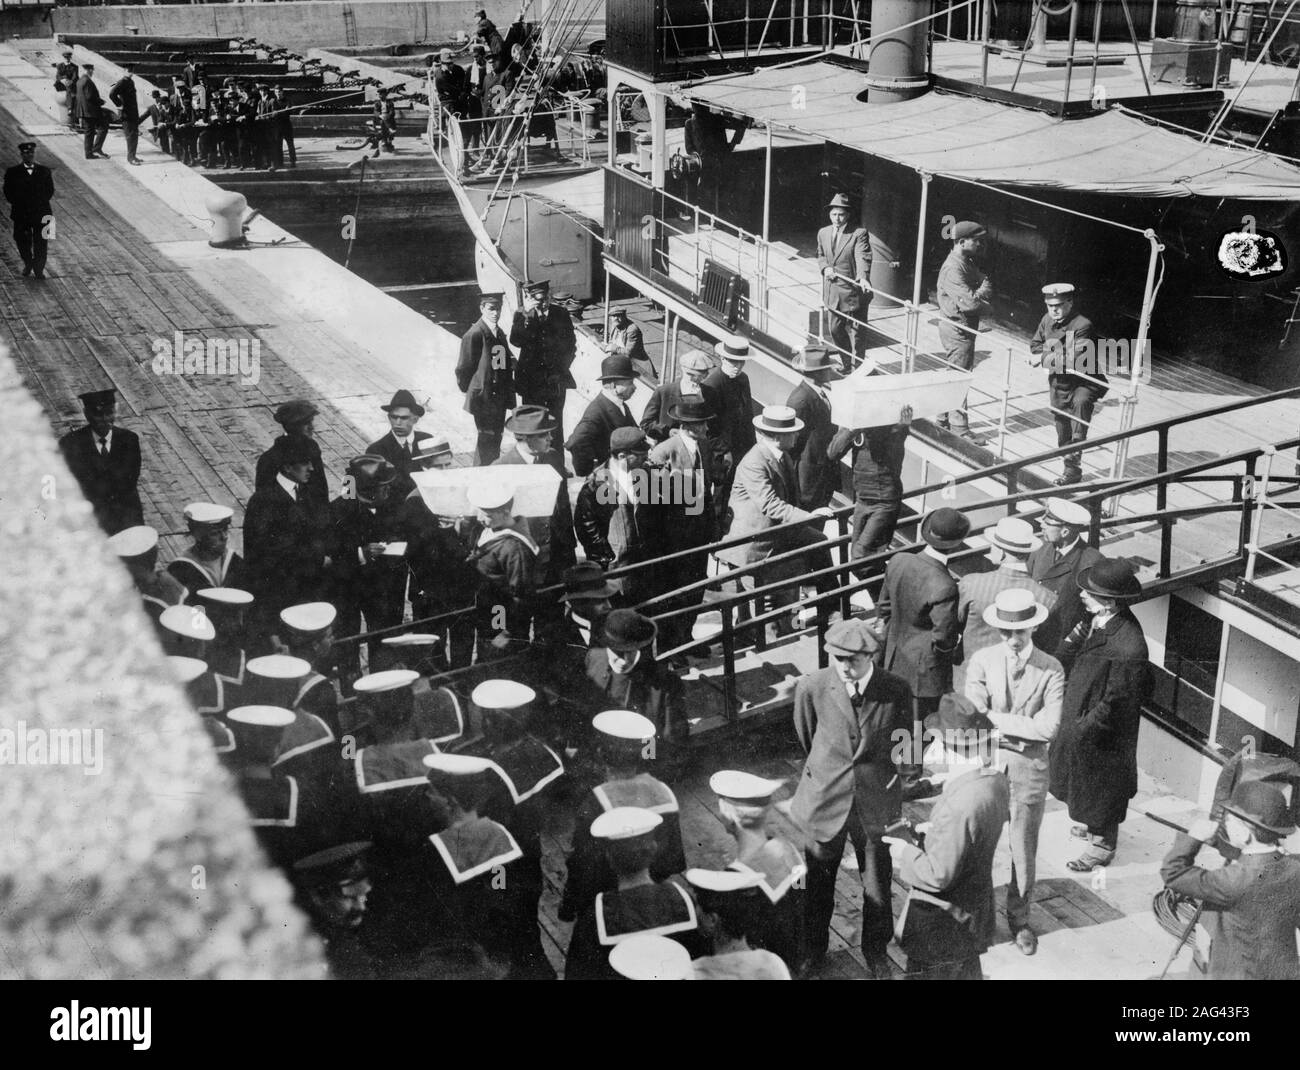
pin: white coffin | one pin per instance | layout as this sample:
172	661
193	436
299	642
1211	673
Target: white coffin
444	490
875	400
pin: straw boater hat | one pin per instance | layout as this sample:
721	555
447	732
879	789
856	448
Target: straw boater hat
1015	609
1014	535
778	420
733	347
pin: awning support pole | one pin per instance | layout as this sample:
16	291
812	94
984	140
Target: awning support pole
913	325
1136	359
767	184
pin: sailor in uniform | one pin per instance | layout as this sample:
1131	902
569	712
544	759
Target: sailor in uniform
210	560
506	558
333	887
307	748
745	804
526	769
638	905
185	632
651	958
729	903
625	748
307	631
137	547
201	686
436	711
227	608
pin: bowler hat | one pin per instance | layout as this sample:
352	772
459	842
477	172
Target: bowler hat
616	367
404	399
626	630
815	362
1111	578
530	420
297	411
690	409
586	580
628	439
840	200
1262	805
968	229
945	529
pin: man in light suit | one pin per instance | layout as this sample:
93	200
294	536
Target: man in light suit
1020	688
847	718
948	921
605	413
844	257
1058	562
918	610
403	442
812	404
764	495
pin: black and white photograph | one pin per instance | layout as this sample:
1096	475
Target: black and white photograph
800	490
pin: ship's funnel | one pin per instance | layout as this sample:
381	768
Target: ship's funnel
898	55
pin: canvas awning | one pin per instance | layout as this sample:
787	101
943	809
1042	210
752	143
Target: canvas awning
964	137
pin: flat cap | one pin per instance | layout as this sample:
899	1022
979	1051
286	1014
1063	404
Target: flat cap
502	695
134	541
1067	512
308	617
261	716
696	361
723	880
295	412
338	860
23	146
743	787
625	823
624	724
628	440
189	622
852	636
295	449
968	229
651	957
208	513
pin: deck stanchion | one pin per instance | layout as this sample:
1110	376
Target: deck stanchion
1162	502
913	325
1137	358
1245	490
1006	402
1261	504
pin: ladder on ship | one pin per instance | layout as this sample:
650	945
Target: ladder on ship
349	26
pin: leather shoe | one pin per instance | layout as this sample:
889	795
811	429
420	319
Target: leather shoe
878	965
1027	941
27	270
1066	481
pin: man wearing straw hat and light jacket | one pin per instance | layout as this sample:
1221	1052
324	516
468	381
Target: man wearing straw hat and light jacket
1255	898
844	257
1021	689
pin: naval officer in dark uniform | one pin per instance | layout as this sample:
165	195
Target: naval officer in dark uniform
105	459
28	188
544	339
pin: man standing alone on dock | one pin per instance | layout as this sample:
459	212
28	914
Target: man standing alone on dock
485	374
28	188
90	107
546	346
963	293
128	106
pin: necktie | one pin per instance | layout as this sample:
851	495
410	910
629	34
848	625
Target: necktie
103	446
407	447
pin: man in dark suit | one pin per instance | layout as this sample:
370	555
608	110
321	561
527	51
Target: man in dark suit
844	257
734	428
128	107
878	455
918	610
65	81
1057	563
605	413
544	339
297	417
656	421
403	442
1255	898
286	536
622	674
846	717
90	109
485	374
812	404
28	188
949	918
105	459
1107	682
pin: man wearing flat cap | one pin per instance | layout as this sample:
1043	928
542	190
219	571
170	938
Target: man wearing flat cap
65	81
605	413
485	374
1063	343
105	459
844	258
918	610
1107	682
94	116
544	340
1064	554
656	419
403	442
625	338
963	293
28	187
298	419
846	717
1254	900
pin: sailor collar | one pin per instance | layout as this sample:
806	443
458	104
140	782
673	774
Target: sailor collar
472	849
307	733
682	925
642	791
388	766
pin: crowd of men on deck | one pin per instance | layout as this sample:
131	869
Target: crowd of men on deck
407	787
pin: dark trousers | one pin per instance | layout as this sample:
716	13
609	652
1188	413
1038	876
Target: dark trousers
457	632
489	446
94	131
32	246
380	597
162	136
1073	399
554	403
877	871
848	334
874	523
283	140
959	351
131	131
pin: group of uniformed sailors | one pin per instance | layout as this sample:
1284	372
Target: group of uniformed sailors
241	125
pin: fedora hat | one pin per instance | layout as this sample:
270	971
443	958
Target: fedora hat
963	727
816	362
370	471
626	630
1111	578
1015	609
1262	805
946	529
778	420
613	368
404	399
840	200
1013	535
733	347
690	409
530	420
586	580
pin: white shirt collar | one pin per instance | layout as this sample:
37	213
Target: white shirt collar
1102	619
290	487
773	449
107	440
691	445
634	658
1018	661
861	683
1061	551
406	442
524	452
689	386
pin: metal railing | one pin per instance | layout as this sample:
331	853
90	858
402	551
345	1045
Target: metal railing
491	146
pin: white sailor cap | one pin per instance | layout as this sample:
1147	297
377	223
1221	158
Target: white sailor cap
456	764
189	622
502	695
391	680
651	957
1068	512
132	542
279	667
208	513
625	823
723	880
624	724
742	786
1058	289
187	669
413	639
309	616
490	494
261	716
225	596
